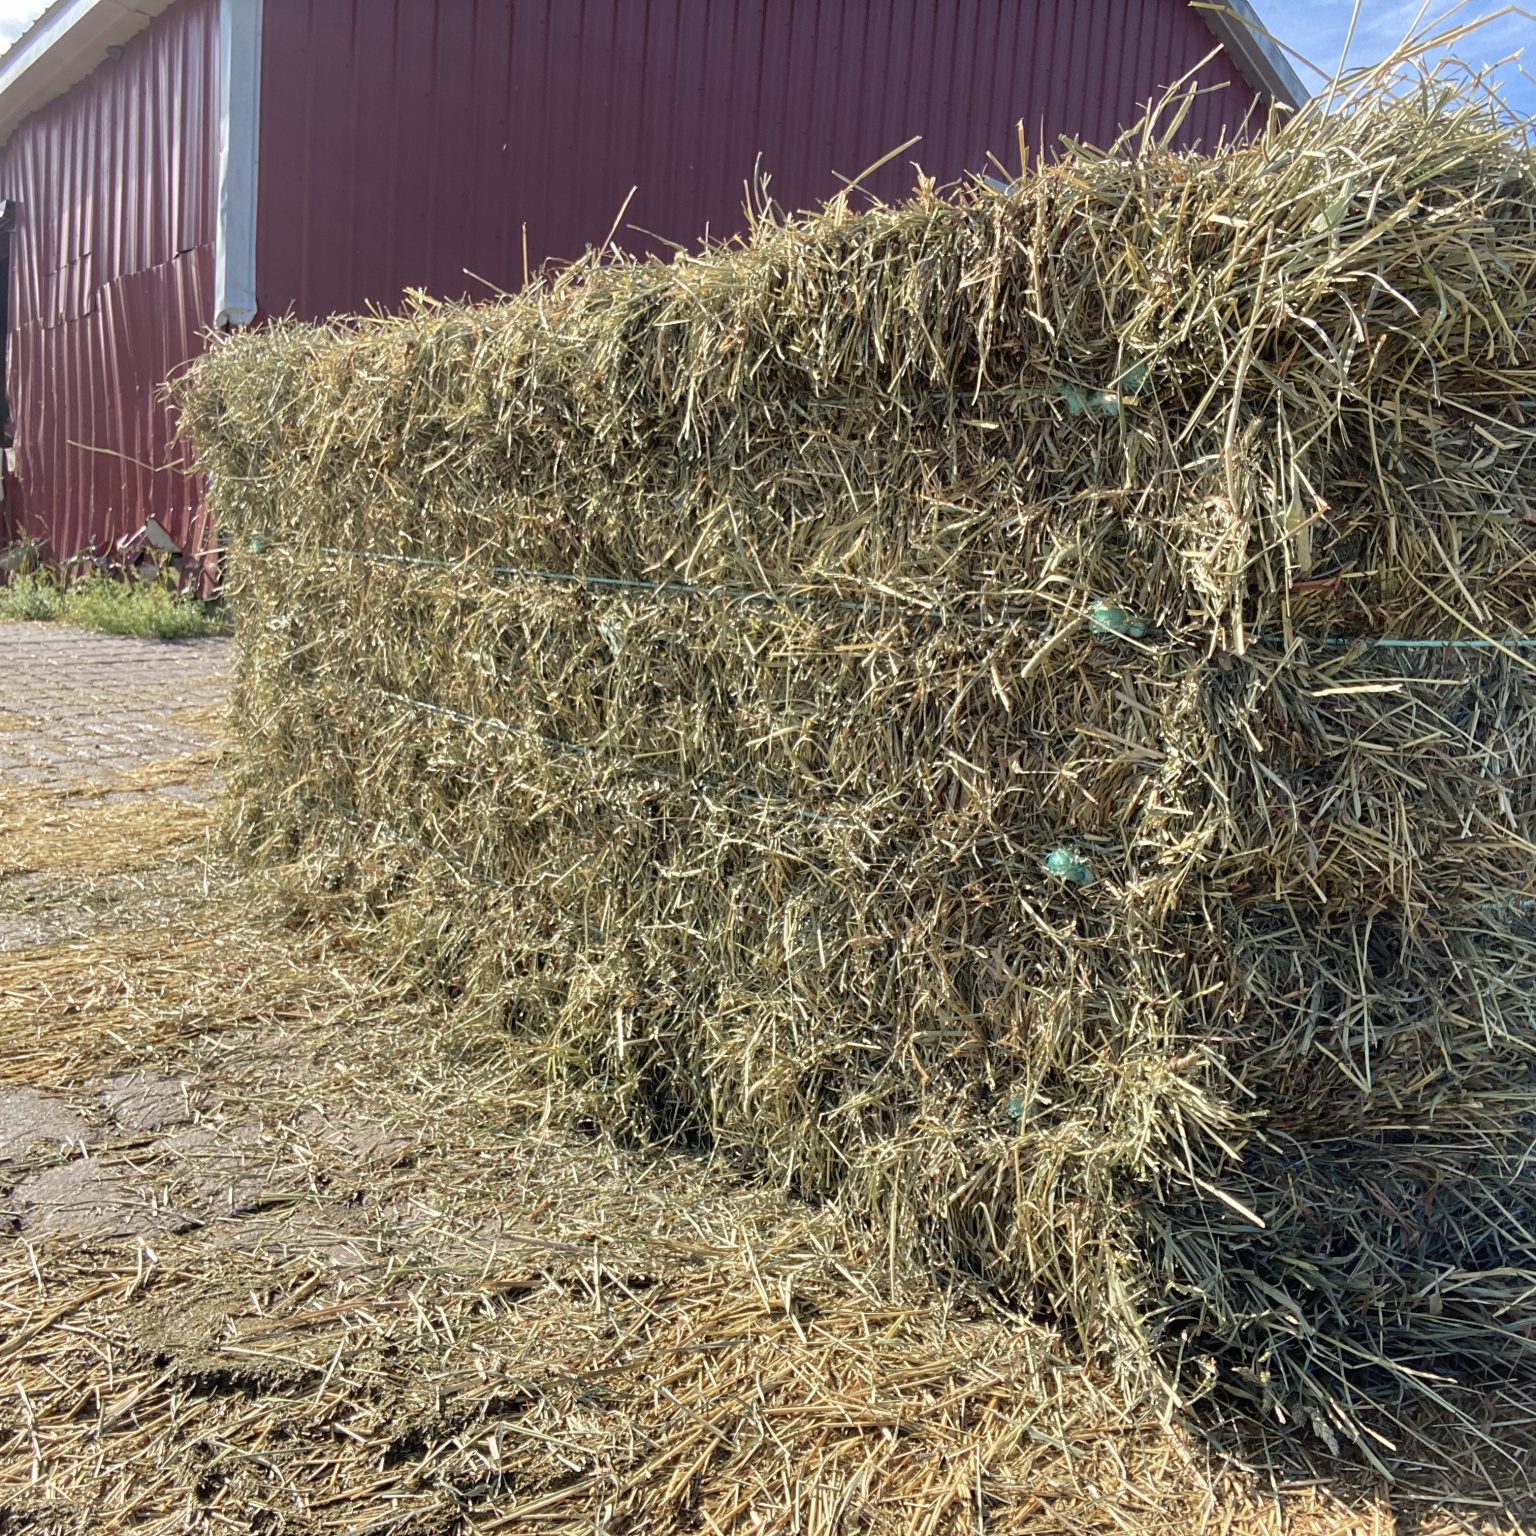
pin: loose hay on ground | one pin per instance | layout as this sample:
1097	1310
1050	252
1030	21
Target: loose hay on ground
390	1303
105	828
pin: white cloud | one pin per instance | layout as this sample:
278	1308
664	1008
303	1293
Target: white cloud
16	16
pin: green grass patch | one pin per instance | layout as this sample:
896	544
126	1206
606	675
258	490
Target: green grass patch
147	611
31	596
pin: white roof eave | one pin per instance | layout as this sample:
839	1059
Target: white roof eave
62	47
1259	58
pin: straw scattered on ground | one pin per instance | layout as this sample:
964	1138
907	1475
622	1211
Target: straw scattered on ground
289	1251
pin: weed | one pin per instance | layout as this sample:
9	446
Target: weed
148	611
31	596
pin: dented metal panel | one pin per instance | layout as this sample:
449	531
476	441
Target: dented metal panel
111	283
409	143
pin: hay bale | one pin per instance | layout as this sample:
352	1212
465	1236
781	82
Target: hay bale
1007	711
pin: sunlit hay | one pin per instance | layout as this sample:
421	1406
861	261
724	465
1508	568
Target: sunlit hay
507	1325
933	705
112	827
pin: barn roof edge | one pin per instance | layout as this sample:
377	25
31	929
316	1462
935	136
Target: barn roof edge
64	45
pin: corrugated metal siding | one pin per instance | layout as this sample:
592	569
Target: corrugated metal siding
111	282
407	141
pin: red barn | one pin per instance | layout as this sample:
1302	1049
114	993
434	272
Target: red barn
171	166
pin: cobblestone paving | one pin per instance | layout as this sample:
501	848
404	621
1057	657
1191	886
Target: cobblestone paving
81	706
80	715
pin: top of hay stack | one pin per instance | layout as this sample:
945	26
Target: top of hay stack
1305	364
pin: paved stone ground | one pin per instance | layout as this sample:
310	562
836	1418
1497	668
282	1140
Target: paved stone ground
81	715
81	706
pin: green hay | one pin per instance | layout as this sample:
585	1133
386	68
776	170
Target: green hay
895	702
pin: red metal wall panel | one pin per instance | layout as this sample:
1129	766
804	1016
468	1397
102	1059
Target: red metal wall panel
406	141
111	283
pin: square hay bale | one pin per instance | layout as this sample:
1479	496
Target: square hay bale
1010	712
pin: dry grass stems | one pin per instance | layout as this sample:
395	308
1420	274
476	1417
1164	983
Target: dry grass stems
953	708
340	1280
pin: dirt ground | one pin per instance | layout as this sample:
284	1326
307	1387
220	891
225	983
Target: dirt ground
285	1249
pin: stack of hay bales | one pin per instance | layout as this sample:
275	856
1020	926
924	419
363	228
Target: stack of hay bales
1010	711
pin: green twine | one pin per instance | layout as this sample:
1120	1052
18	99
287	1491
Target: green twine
1105	402
1106	619
1068	867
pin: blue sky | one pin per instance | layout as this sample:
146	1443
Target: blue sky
1315	28
14	15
